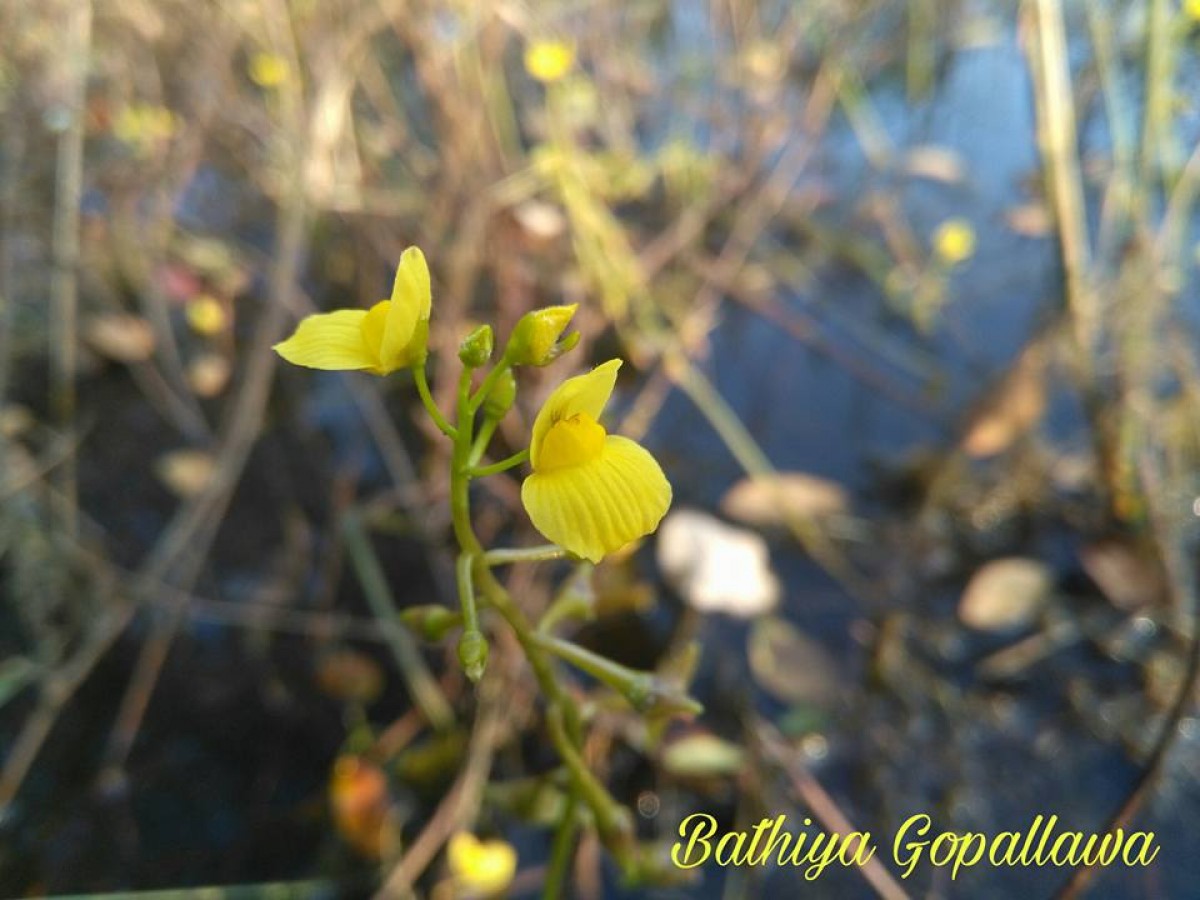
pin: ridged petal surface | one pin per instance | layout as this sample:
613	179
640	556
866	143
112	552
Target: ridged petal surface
600	506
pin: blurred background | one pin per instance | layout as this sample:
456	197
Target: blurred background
908	298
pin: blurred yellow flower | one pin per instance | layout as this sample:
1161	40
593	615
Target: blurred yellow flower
391	335
206	315
1191	9
269	70
590	492
141	124
480	868
954	241
549	61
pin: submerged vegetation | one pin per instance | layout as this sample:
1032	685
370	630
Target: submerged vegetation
906	299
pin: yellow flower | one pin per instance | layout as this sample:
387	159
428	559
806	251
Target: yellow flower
590	492
480	868
390	335
549	61
1191	9
954	241
269	70
206	315
142	126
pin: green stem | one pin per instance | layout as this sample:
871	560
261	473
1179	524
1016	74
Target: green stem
509	555
618	677
489	382
503	466
460	475
430	406
575	599
482	440
612	820
421	683
560	851
466	591
562	715
645	691
570	604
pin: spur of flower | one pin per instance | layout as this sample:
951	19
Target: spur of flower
590	492
389	336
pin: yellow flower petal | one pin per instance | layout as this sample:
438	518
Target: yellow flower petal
374	324
572	442
329	341
587	393
481	867
599	506
269	70
549	61
410	303
954	241
206	315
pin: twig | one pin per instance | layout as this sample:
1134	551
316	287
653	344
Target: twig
192	530
824	807
10	181
270	890
64	280
424	689
458	808
56	691
1179	556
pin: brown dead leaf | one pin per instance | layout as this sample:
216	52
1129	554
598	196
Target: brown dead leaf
701	754
1005	594
783	498
359	797
185	472
1129	578
1029	219
349	675
208	374
15	420
1011	410
791	665
935	163
120	337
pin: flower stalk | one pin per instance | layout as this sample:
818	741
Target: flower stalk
589	493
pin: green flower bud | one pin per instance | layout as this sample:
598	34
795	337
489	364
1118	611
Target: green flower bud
501	397
431	623
473	654
537	340
476	348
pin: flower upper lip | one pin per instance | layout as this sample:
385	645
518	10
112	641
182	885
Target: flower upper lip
389	336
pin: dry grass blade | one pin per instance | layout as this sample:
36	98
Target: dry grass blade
1056	128
64	284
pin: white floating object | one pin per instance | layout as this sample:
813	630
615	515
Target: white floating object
717	567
